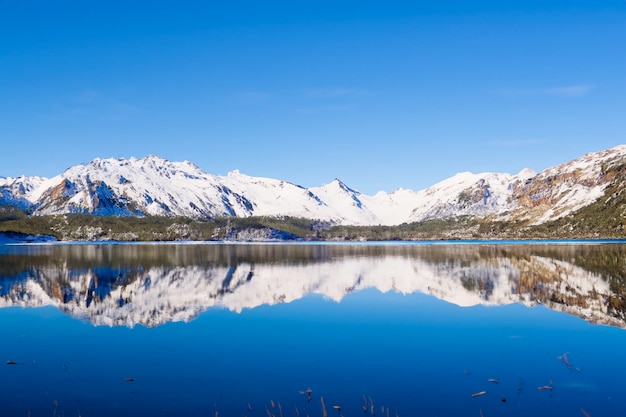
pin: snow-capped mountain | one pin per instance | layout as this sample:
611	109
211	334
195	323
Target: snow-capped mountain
565	188
17	191
155	186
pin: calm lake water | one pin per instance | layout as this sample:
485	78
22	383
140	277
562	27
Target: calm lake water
377	329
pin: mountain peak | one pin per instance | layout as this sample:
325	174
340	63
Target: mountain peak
152	159
342	185
526	173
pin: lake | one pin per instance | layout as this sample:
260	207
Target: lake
395	329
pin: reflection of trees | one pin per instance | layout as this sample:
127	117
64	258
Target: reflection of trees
608	261
611	265
163	255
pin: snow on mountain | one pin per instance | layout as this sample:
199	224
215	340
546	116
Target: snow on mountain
155	186
148	186
349	205
563	189
16	191
274	197
468	194
393	208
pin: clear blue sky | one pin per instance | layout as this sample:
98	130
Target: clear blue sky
381	94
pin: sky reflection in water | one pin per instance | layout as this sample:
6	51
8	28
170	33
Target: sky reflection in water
413	353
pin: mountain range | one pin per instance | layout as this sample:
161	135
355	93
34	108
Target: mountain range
153	186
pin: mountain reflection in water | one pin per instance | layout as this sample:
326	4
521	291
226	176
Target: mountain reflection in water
129	284
273	340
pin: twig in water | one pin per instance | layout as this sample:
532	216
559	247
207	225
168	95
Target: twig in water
546	387
563	358
324	413
308	393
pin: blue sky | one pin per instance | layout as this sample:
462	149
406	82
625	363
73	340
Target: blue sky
379	94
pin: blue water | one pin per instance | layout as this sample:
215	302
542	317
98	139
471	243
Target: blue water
410	354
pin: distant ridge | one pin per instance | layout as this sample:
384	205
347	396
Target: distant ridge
156	186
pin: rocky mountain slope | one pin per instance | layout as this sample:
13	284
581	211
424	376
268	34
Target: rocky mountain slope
155	186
